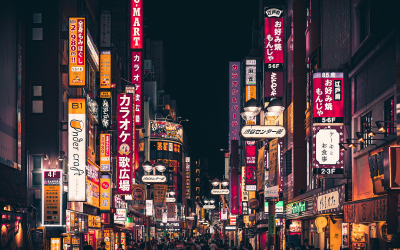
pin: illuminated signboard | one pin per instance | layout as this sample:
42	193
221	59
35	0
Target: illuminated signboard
52	198
77	50
124	143
120	214
329	201
251	167
136	24
105	152
166	130
251	75
262	132
137	80
105	69
105	193
234	102
328	97
92	184
273	38
327	156
187	162
77	149
273	84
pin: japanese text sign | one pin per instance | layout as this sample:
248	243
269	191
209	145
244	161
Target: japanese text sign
76	149
234	102
125	138
160	192
187	177
251	178
273	163
328	97
329	201
52	197
105	29
105	193
273	39
77	47
92	184
137	80
136	24
327	156
105	152
105	69
273	84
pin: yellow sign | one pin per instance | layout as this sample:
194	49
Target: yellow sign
105	94
251	92
67	240
320	223
52	181
92	184
105	70
55	243
105	152
77	48
105	193
94	221
245	194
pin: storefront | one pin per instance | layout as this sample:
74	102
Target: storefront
13	227
94	235
76	226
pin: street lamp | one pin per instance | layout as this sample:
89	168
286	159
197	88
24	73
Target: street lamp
252	106
160	166
225	182
154	178
147	166
274	108
215	182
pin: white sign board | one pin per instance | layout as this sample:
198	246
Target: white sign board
328	201
149	207
219	191
327	150
261	132
154	178
271	192
120	214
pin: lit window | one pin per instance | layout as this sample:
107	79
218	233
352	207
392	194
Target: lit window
37	34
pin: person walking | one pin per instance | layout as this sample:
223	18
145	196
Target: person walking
213	246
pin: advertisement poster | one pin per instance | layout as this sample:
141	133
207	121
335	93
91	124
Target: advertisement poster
160	194
105	193
92	184
166	130
124	143
105	155
149	207
77	149
260	169
77	48
138	196
105	69
52	198
234	102
120	214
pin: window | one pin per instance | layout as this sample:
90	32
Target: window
37	17
364	21
287	162
37	99
366	124
37	34
389	116
36	171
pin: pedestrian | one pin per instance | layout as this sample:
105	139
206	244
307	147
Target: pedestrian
292	246
120	247
142	246
305	244
87	247
171	246
213	246
311	247
102	246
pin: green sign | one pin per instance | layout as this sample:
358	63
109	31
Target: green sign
271	225
298	207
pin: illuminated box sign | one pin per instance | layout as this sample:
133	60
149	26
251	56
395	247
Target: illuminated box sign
120	214
234	102
55	243
187	162
329	201
105	193
251	167
327	156
137	80
77	48
251	75
328	97
105	69
273	84
92	184
273	38
93	52
131	89
124	143
136	24
105	152
166	130
105	29
76	149
94	221
245	194
251	92
52	198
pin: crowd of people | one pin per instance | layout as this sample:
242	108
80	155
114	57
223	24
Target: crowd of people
306	246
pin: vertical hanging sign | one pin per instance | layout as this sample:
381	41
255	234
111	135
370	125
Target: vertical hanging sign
105	29
136	24
105	152
52	197
105	193
77	149
234	102
105	69
251	168
76	54
124	143
187	161
273	38
137	80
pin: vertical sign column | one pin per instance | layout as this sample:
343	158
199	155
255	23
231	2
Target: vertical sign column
136	24
137	80
131	89
251	79
76	54
124	143
76	149
234	102
187	161
105	69
52	200
105	152
251	167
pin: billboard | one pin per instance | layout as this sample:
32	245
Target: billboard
136	24
105	152
77	48
166	130
234	102
124	143
273	84
273	38
105	193
92	184
137	80
105	29
52	198
105	69
327	156
251	167
328	97
76	149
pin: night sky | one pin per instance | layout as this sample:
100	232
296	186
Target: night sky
200	38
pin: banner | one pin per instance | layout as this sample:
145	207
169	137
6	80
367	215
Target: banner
273	163
105	152
77	48
52	198
187	177
260	169
160	193
124	143
234	102
105	193
137	80
171	210
77	149
245	194
251	168
273	38
92	184
138	196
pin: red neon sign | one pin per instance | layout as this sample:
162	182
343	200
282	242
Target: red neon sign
136	24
